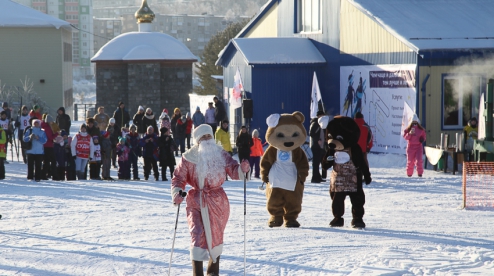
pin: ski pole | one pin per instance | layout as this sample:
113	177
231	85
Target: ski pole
245	215
183	194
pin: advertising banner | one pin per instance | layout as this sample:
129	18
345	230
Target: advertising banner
379	92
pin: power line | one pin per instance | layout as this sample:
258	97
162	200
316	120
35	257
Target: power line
105	37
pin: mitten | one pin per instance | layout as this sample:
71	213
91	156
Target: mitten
367	179
421	140
179	197
245	166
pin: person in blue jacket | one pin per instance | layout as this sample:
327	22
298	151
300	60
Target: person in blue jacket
35	154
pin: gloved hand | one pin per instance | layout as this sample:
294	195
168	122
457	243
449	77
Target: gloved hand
245	166
421	139
179	197
74	156
367	179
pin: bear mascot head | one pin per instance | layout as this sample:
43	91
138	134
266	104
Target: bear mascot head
286	132
284	167
343	133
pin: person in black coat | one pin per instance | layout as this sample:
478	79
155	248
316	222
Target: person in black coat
121	116
219	111
149	120
167	147
63	120
180	130
149	144
317	147
244	143
137	120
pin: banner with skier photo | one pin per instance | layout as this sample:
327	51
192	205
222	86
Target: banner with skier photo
379	93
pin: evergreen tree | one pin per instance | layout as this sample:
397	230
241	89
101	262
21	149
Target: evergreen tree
209	56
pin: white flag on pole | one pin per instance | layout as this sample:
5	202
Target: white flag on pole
236	97
407	116
315	97
480	120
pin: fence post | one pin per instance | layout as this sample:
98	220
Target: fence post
75	113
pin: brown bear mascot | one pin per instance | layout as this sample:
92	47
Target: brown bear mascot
345	156
284	167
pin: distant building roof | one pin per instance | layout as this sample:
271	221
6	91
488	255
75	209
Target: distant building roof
434	25
16	15
274	50
143	46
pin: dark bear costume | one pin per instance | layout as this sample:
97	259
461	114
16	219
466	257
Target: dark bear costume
346	159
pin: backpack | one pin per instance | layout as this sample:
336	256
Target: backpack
27	145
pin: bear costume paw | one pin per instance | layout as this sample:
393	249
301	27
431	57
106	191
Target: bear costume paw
275	221
358	223
292	224
337	222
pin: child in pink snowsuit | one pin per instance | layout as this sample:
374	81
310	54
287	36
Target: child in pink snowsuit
415	135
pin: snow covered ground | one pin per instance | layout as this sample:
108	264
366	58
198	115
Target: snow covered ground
415	226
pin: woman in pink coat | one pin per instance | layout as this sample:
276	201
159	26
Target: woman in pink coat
415	135
204	168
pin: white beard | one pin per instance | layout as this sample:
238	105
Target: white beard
211	163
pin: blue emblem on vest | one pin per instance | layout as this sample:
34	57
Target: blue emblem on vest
283	155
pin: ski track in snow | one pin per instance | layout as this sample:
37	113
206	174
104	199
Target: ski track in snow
415	226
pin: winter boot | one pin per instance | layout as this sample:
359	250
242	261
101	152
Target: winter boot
358	223
197	269
337	222
213	268
275	221
292	223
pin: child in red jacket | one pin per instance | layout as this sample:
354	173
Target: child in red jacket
256	151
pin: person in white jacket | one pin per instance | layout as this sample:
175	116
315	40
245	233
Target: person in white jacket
82	149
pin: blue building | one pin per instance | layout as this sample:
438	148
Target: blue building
379	55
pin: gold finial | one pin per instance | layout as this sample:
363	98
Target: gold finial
144	14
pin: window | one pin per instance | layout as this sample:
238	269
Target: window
461	97
308	16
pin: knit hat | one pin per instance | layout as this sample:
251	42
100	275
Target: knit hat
112	120
176	109
95	137
149	110
141	108
255	133
415	118
63	133
48	118
165	110
201	131
5	104
122	139
83	126
35	107
3	113
198	108
150	128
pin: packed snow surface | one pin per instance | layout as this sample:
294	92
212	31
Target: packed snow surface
415	226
